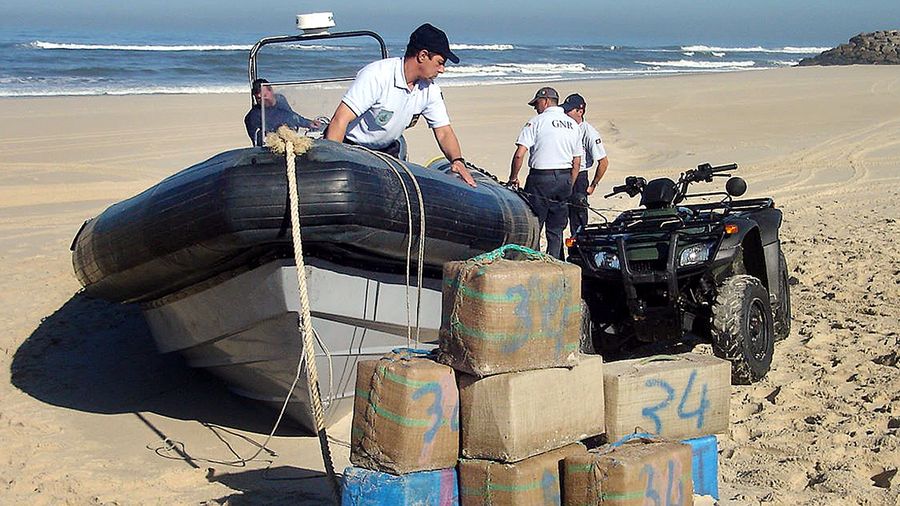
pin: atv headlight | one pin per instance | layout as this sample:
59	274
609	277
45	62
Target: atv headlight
695	254
604	259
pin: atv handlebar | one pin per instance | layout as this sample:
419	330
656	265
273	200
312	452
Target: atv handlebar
633	186
705	172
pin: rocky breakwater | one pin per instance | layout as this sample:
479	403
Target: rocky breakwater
876	48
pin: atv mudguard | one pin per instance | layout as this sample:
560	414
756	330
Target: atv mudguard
755	245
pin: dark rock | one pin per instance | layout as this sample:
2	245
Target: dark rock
875	48
883	480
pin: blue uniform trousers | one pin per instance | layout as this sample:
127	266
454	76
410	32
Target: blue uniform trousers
578	215
548	192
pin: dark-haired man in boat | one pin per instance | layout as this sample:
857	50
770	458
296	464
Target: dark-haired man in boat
389	95
277	112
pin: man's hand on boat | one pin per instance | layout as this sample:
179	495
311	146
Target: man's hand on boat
459	166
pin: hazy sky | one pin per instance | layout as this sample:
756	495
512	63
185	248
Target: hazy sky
815	22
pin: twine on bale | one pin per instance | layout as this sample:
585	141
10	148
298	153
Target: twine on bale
291	144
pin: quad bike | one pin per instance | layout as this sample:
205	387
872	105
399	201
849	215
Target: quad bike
671	275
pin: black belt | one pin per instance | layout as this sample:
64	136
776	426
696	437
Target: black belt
555	171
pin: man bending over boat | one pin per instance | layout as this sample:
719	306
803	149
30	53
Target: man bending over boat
389	95
277	112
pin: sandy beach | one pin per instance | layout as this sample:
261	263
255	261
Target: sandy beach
91	414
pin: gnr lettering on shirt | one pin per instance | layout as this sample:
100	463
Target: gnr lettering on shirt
557	123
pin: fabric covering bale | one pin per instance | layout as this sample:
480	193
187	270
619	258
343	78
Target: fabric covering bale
638	472
364	487
672	396
531	481
512	309
705	465
405	414
512	416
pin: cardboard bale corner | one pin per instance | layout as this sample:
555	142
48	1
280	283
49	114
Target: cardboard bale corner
512	309
513	416
674	397
405	414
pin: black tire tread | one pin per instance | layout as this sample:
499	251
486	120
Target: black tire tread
782	315
728	314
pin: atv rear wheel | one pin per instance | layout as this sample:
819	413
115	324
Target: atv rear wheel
783	303
742	328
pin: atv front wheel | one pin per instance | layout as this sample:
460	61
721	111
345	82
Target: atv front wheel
783	303
742	328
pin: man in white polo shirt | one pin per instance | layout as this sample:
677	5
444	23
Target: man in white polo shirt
553	143
389	95
575	107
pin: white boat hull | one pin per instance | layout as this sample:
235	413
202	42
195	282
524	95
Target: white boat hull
244	330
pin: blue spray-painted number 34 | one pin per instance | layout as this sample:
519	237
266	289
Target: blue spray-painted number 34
651	412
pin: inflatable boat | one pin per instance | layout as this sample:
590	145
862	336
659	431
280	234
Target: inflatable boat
230	213
208	254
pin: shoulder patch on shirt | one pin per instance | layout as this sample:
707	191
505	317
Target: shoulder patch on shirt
383	117
413	121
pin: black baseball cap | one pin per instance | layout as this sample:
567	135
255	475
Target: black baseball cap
573	101
433	39
545	92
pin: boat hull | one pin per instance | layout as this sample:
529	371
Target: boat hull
244	330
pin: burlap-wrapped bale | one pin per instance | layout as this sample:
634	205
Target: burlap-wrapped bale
512	309
535	480
516	415
673	396
405	414
638	472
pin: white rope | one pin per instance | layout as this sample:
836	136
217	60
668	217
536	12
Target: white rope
289	143
392	164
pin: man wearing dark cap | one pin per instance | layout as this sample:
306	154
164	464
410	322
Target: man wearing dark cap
553	144
272	109
389	95
575	106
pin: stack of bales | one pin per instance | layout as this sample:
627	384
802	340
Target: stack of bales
499	413
511	328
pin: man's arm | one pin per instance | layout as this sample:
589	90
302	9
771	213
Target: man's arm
253	124
602	165
449	144
516	165
576	168
337	127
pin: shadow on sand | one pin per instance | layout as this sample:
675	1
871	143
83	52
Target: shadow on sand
99	357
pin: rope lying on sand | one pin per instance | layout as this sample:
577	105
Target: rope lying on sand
291	144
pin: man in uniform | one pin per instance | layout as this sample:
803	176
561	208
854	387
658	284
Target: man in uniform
389	95
574	106
553	143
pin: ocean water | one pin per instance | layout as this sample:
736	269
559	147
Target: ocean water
53	63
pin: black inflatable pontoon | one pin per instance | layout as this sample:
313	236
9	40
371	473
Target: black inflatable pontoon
230	213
